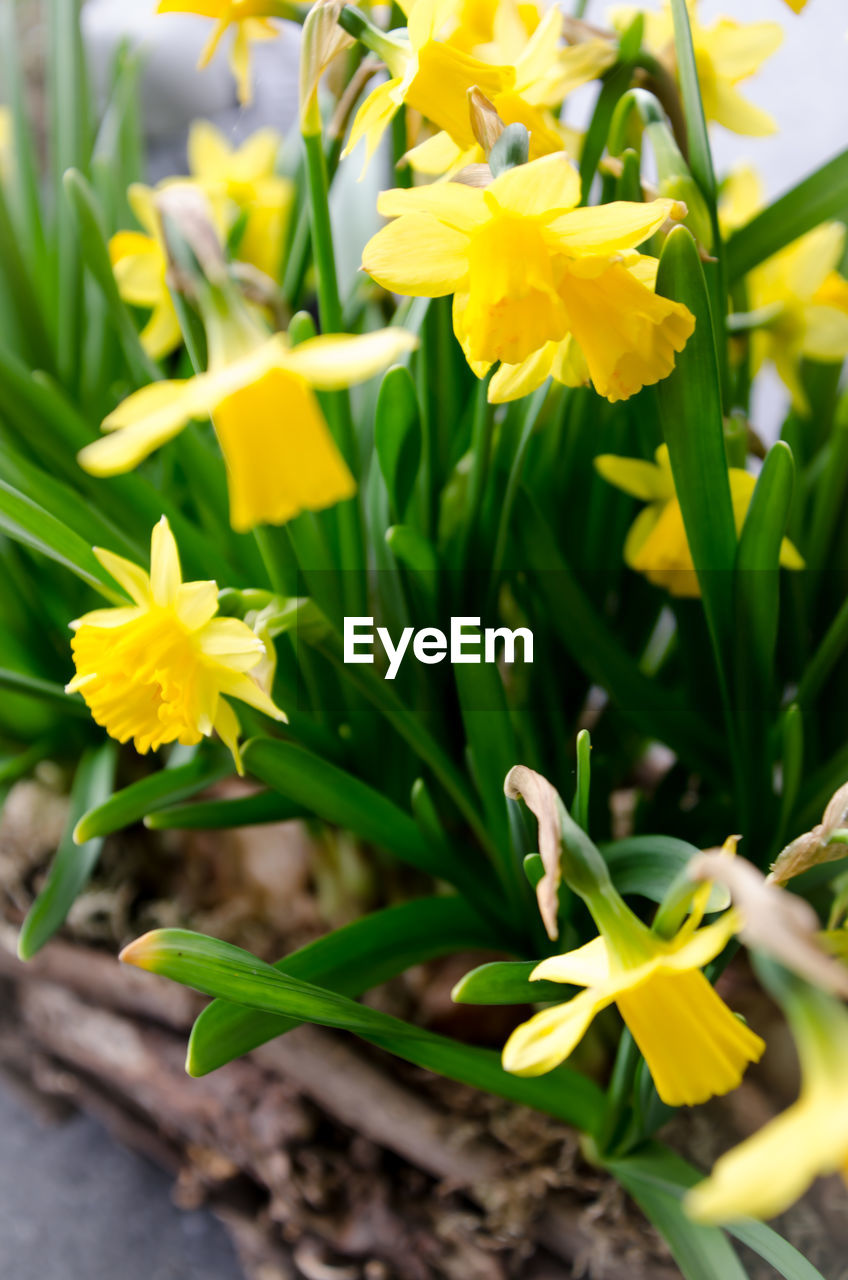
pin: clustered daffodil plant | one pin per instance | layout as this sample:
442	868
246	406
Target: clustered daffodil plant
534	408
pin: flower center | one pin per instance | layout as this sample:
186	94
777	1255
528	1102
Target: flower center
142	680
513	307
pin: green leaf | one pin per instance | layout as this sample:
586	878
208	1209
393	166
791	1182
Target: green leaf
700	155
648	865
351	960
665	1177
397	436
507	982
93	240
156	792
337	797
492	752
29	524
22	682
534	869
416	552
693	428
595	139
653	710
209	815
818	198
580	807
758	558
510	149
702	1253
219	969
73	864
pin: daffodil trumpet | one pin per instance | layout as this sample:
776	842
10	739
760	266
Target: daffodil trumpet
764	1175
162	669
531	273
693	1045
259	392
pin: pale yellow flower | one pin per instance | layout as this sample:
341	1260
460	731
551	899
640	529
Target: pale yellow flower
161	669
657	545
140	265
766	1173
246	176
260	394
528	268
694	1046
251	20
726	53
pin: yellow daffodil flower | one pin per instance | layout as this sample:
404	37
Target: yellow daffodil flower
656	544
7	134
528	268
141	273
245	176
726	53
694	1046
430	76
766	1173
251	19
806	299
741	197
259	393
160	669
545	72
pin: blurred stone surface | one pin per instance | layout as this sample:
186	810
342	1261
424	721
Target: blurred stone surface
74	1206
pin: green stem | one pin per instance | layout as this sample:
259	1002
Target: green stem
481	448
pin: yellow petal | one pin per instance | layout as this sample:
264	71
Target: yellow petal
373	119
140	199
228	729
196	603
280	456
643	480
106	618
739	49
609	228
146	420
333	361
439	87
138	264
256	158
439	154
698	948
511	381
639	533
767	1173
418	256
694	1046
239	685
544	187
549	1037
209	152
628	334
165	575
588	966
162	333
825	335
459	207
726	106
128	575
231	641
808	262
569	365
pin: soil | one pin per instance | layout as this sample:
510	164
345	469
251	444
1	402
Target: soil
327	1159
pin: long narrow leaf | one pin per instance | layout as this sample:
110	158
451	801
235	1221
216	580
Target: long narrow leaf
219	969
351	960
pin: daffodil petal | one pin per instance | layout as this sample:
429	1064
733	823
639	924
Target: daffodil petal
128	575
728	107
543	188
228	729
196	603
588	966
738	49
138	265
373	119
608	228
825	333
417	255
333	361
512	381
643	480
232	640
162	334
549	1037
457	206
165	574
